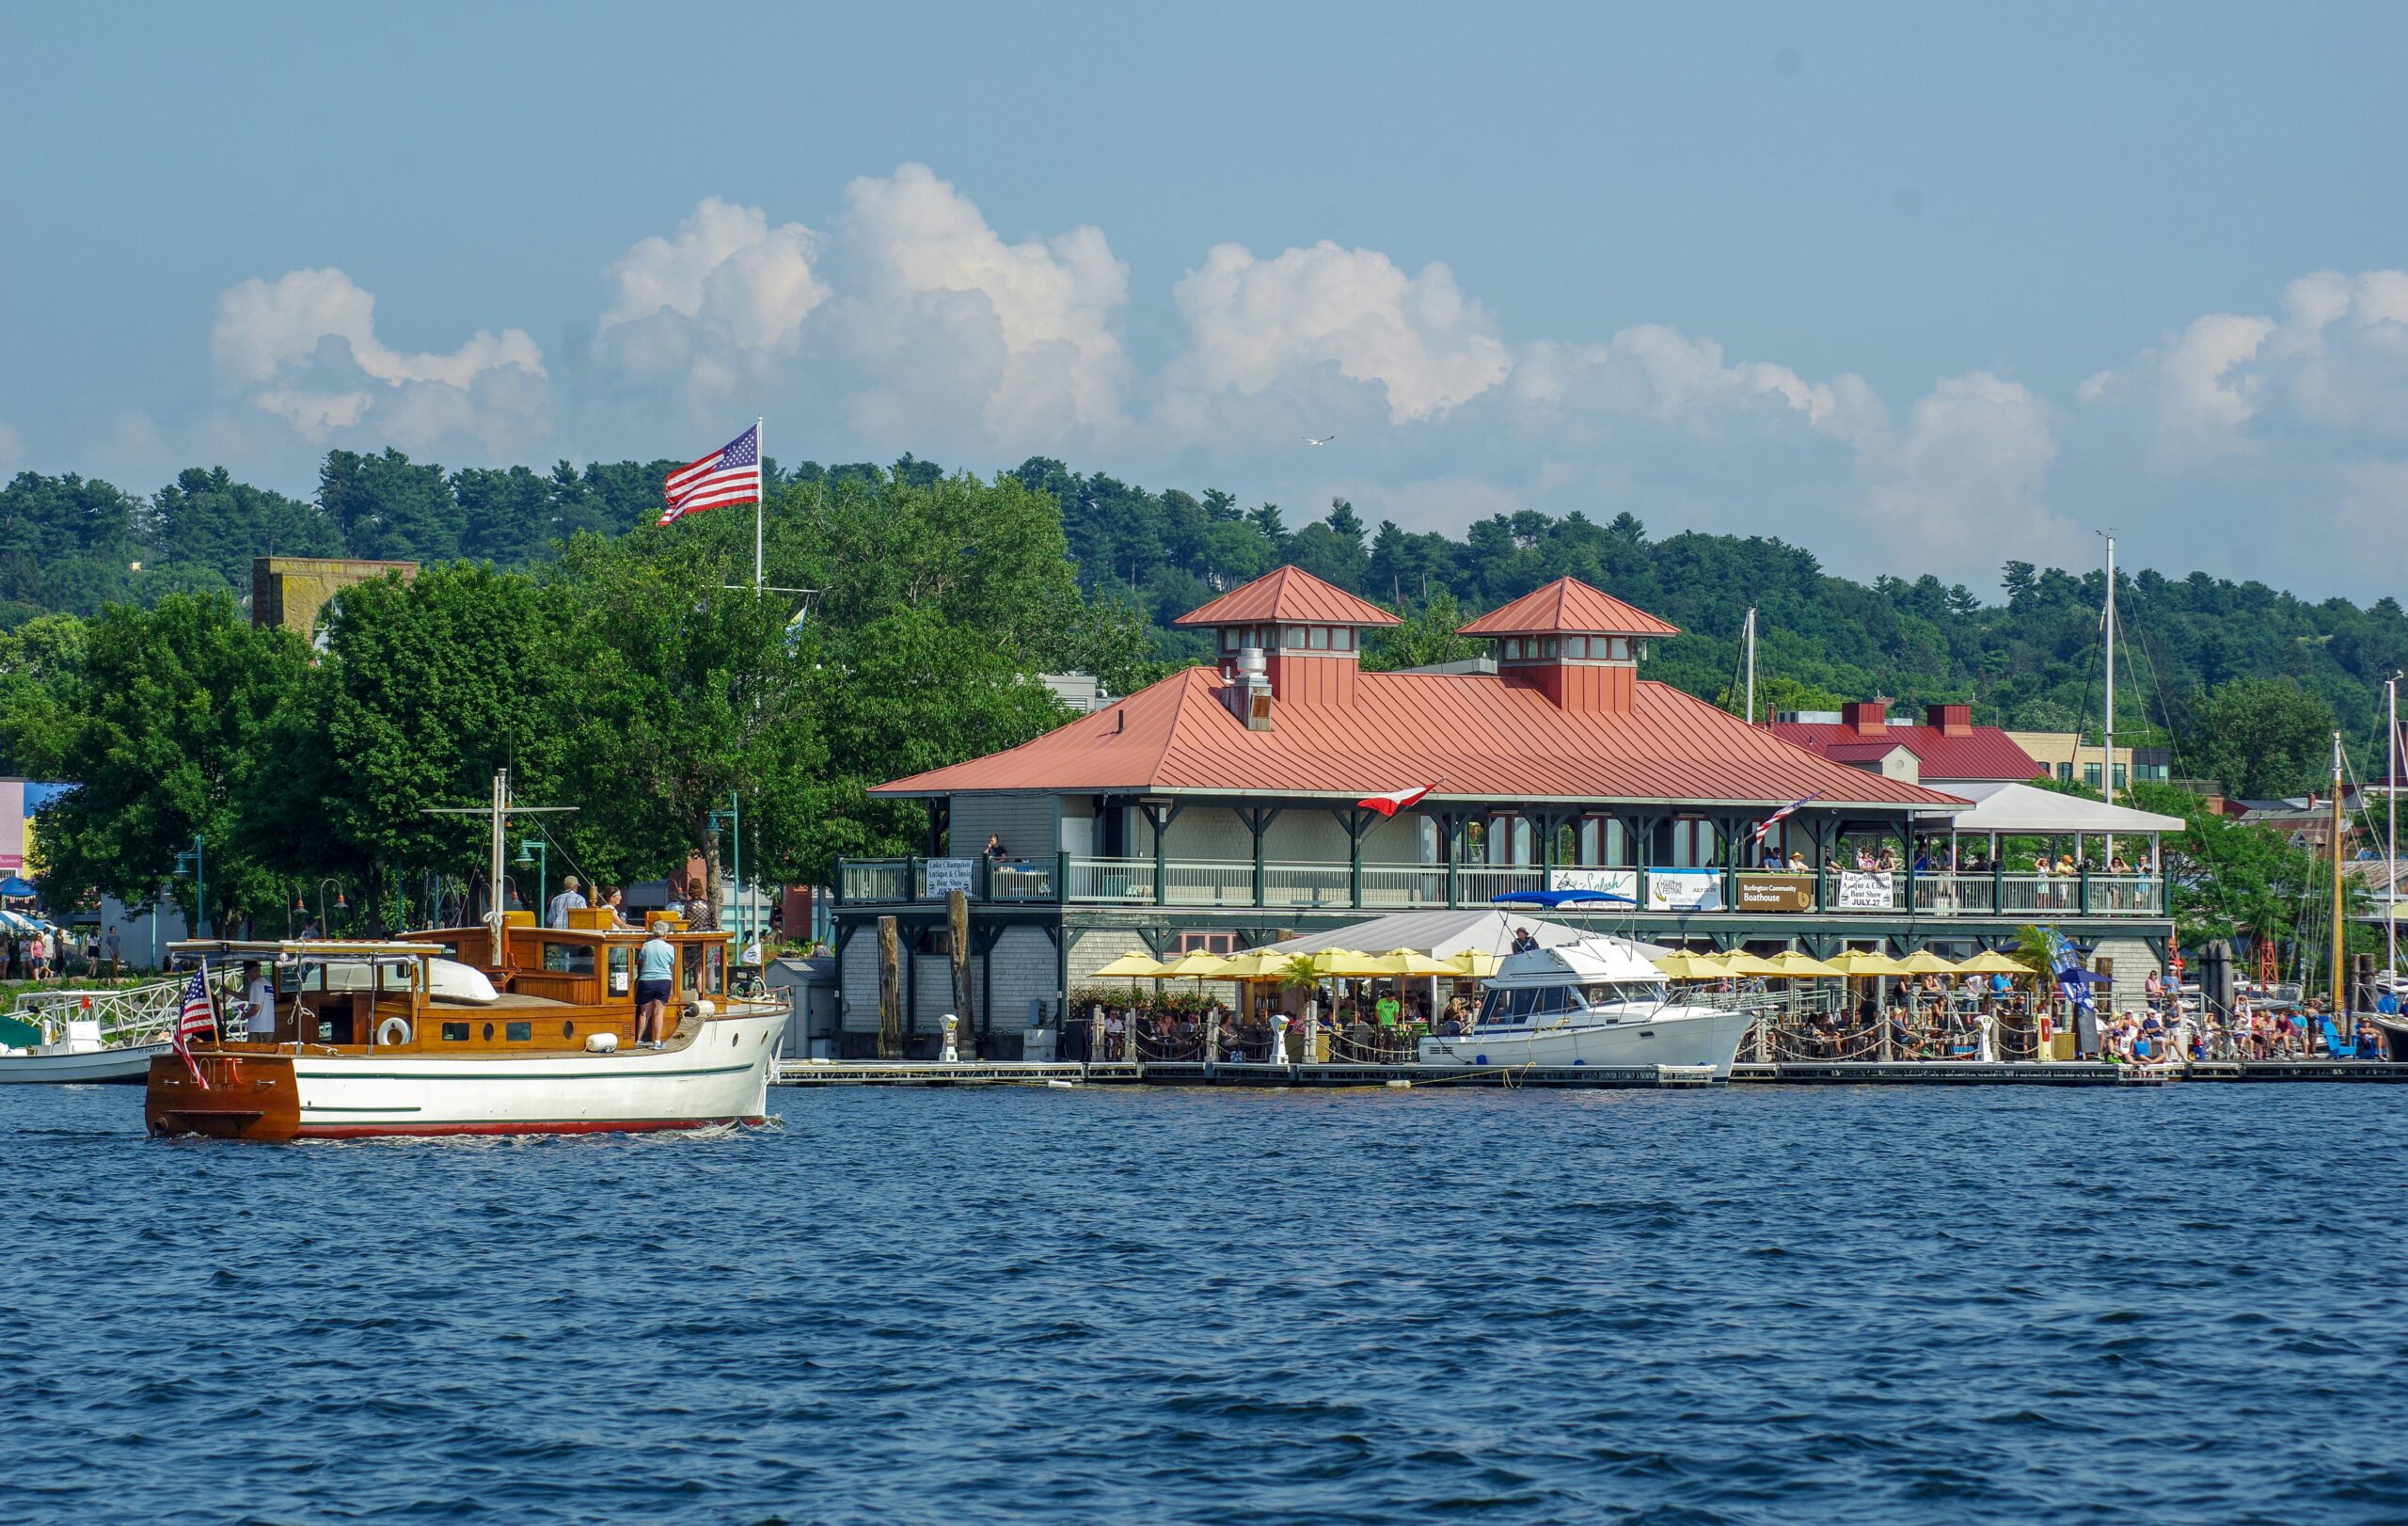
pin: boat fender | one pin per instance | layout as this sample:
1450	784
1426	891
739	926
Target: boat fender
601	1043
706	1009
393	1032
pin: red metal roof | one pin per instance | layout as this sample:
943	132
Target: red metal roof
1987	753
1289	593
1567	604
1485	739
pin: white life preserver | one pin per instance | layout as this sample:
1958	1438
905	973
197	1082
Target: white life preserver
393	1032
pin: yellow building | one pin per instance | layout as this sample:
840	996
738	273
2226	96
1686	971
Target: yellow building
289	591
2069	757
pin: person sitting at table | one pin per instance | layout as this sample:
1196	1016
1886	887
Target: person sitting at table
995	847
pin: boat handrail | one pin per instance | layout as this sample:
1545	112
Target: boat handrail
127	1014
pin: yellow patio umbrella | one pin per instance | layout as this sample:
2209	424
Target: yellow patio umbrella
1195	965
1686	967
1347	964
1256	965
1133	966
1923	961
1742	962
1409	961
1861	963
1990	961
1477	963
1798	966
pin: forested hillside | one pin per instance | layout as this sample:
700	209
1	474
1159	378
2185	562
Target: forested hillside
2026	654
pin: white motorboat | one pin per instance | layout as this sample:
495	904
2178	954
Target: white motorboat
83	1038
1595	1002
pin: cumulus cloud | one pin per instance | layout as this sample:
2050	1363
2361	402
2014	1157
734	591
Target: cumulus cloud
1254	322
1021	340
713	302
304	348
1966	471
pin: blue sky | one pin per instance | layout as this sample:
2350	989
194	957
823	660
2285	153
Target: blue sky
1920	287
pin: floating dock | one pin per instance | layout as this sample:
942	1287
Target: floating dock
1795	1072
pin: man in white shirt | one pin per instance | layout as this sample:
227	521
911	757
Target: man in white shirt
259	995
569	900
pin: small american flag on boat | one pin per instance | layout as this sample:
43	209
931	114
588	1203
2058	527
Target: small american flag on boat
197	1015
731	474
1783	814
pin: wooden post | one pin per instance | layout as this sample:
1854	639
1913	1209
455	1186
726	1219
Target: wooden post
957	917
890	991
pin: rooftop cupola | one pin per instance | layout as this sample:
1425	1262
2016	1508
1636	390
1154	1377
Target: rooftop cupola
1310	635
1577	645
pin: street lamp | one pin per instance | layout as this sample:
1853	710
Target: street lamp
195	860
326	930
542	862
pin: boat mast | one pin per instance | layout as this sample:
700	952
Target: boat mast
2107	760
1752	665
2340	983
2391	835
495	918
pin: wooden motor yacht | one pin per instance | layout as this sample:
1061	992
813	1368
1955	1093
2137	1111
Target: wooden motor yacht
508	1029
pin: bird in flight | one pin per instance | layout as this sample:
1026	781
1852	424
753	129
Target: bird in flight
1323	440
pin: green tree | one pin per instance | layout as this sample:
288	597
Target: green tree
2227	879
390	507
205	518
2261	736
39	663
1424	637
169	723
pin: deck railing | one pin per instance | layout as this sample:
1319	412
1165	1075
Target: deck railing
1080	879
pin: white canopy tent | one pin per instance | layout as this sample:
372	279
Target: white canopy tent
1445	934
2021	811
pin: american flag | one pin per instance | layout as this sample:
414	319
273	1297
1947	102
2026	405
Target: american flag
197	1015
729	475
1783	814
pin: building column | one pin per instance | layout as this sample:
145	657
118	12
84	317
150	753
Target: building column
1258	819
1452	827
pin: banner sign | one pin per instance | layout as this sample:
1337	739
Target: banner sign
1684	890
946	875
1776	891
1864	891
1622	882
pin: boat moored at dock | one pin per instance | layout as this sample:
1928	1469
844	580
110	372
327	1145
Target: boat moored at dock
460	1032
1598	1001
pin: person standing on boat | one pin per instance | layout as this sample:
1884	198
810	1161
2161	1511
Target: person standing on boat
698	908
571	898
259	997
656	978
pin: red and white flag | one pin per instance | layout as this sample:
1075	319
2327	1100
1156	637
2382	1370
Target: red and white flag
1395	799
731	474
197	1015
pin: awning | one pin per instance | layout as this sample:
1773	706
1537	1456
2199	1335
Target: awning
2021	810
1445	934
17	887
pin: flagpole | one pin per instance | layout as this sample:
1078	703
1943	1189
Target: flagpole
760	485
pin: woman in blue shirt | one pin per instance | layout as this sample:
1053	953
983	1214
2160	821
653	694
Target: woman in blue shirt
656	978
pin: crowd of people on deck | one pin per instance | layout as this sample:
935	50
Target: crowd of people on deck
1385	1027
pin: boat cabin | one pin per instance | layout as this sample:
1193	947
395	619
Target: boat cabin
1544	985
442	991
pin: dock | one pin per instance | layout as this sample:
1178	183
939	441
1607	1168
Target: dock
795	1072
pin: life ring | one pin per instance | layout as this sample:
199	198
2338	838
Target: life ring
393	1032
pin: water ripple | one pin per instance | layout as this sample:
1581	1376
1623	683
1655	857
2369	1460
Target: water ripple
1740	1307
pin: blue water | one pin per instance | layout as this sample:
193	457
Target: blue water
1751	1306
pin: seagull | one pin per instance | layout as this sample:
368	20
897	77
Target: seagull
1323	440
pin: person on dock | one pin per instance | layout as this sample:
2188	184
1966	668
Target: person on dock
571	898
656	978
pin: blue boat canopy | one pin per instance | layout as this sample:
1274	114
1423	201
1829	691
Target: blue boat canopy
1558	897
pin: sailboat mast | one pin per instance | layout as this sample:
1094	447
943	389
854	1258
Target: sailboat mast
2107	761
2391	835
2340	981
1751	667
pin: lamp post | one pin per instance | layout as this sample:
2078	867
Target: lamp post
326	930
195	860
542	863
733	817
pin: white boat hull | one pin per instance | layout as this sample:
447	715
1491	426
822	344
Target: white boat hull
90	1067
1677	1036
722	1077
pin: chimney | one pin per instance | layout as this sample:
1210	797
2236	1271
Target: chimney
1866	717
1248	693
1949	719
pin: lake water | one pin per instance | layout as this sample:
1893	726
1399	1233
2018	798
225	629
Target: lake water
1746	1306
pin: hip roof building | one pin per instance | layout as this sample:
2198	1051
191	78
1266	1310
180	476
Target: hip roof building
1233	804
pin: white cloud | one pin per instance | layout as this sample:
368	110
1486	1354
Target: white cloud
1021	340
1963	480
714	304
1253	324
304	348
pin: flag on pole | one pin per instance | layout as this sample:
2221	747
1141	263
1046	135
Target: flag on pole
1778	816
1395	799
731	474
197	1015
